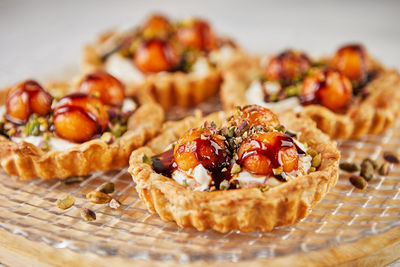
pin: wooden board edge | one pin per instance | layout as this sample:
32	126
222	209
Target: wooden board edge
16	250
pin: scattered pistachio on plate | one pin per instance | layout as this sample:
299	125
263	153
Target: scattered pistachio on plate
107	188
88	214
66	202
98	197
358	181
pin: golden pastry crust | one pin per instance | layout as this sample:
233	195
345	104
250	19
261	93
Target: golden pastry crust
178	88
377	112
246	209
29	161
167	88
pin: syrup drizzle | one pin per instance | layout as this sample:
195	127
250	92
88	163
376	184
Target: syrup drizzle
319	86
90	116
302	61
65	105
164	163
28	90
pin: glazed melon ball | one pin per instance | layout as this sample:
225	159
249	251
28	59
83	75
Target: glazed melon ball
329	88
25	99
104	86
255	115
157	25
156	55
287	66
197	34
353	61
200	146
79	117
263	152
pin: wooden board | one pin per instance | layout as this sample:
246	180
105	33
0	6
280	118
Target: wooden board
381	250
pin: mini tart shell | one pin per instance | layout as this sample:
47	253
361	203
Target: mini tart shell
377	112
246	209
29	161
167	88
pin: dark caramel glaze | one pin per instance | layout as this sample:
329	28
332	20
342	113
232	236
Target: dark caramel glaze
208	153
27	91
362	54
199	36
80	102
155	55
270	151
164	163
288	65
320	85
208	162
104	86
221	169
66	109
67	100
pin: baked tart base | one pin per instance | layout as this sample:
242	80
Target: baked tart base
167	88
29	161
246	209
374	114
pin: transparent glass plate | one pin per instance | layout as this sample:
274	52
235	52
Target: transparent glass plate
345	215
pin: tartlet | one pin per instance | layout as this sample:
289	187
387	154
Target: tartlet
178	62
235	204
363	96
79	133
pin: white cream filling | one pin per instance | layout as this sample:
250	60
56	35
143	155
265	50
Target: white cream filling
255	95
247	179
183	179
304	164
197	179
123	69
201	68
128	105
222	55
56	144
2	112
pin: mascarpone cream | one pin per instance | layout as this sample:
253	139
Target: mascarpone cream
56	144
255	95
197	179
123	69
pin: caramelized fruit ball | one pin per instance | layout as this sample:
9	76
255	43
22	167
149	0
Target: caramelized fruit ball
353	61
263	152
255	115
200	146
25	99
287	66
79	117
104	86
329	88
197	34
156	26
156	55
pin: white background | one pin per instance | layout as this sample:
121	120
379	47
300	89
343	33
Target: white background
42	39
